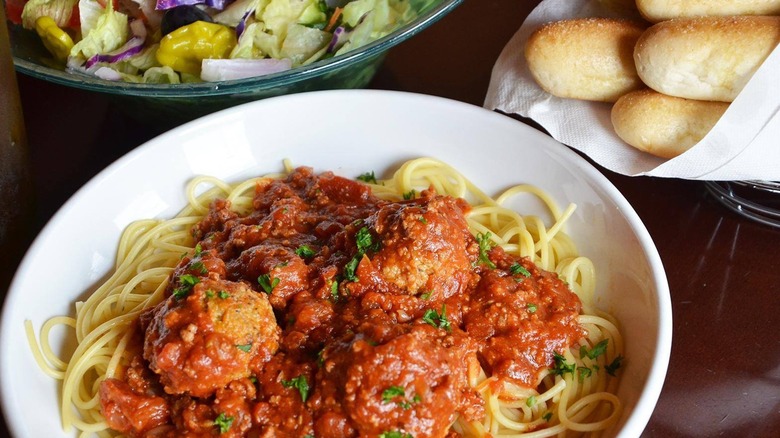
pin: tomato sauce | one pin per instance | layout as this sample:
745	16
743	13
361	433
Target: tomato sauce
329	312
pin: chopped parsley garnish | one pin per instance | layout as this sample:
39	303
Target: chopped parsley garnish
199	267
530	401
561	366
351	267
547	416
613	367
245	347
198	250
334	290
187	281
423	220
222	294
305	252
595	352
411	194
484	247
266	283
425	296
584	373
437	319
395	434
301	384
407	404
223	422
392	392
517	268
320	358
364	242
368	177
531	307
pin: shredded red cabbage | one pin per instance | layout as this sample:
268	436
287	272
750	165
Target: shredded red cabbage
340	35
169	4
242	24
132	47
218	4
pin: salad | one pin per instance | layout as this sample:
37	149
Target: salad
175	41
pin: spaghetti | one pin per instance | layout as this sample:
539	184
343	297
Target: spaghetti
574	395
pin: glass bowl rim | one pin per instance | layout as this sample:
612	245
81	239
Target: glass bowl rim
281	79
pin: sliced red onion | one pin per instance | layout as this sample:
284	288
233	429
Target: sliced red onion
74	63
242	24
168	4
227	69
132	47
108	74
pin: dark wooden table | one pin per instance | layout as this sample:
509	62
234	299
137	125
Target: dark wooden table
724	276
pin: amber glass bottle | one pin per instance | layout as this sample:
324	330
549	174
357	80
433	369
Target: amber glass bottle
15	187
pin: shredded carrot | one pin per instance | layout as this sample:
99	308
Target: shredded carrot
333	19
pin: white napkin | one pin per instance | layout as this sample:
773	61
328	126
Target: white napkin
743	145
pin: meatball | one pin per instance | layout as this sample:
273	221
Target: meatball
523	319
286	273
213	336
426	246
414	383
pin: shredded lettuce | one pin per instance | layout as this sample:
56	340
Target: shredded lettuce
303	42
109	32
233	14
89	13
144	60
373	19
278	15
161	75
386	14
60	11
150	13
246	47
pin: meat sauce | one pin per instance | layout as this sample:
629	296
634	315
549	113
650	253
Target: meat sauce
328	312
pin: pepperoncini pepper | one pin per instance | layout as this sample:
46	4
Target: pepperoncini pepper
185	48
56	40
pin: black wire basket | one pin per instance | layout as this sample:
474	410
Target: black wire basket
755	200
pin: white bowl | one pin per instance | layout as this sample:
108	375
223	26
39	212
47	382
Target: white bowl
349	132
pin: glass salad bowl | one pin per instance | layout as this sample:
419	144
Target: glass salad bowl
175	103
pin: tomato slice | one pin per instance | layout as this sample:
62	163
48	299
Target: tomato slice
13	10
